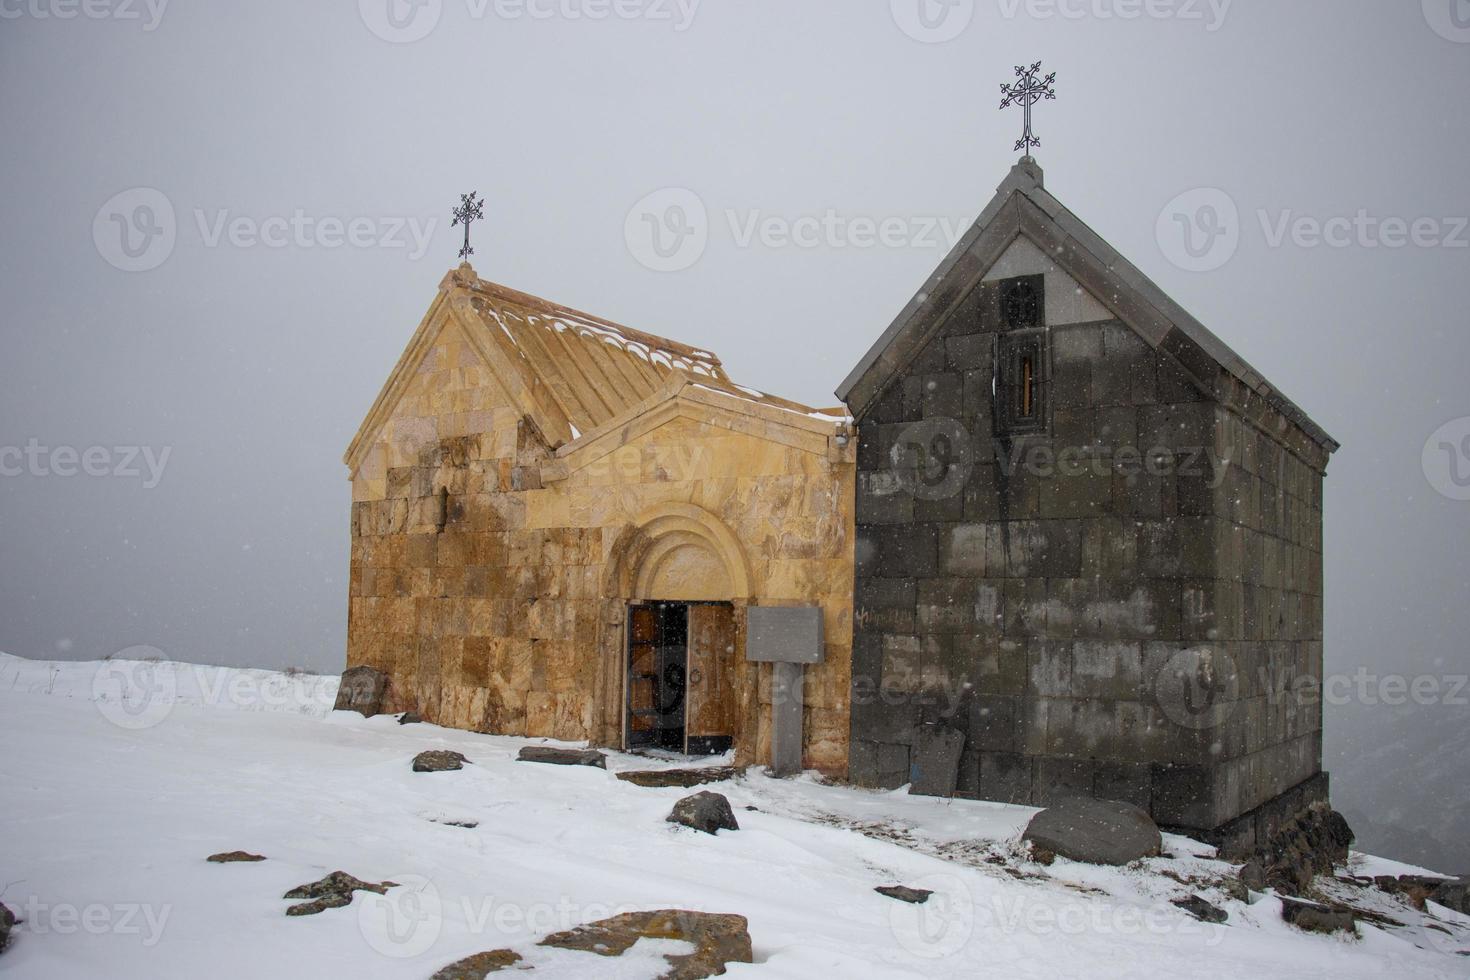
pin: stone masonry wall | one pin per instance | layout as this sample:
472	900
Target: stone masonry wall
1092	607
499	620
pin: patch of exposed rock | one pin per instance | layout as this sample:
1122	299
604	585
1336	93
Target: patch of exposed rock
1095	832
234	857
903	893
1316	918
562	757
681	778
438	760
707	812
1201	909
7	923
362	690
1313	842
332	892
717	941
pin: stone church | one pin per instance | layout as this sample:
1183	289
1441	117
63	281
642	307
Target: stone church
567	528
1061	540
1089	542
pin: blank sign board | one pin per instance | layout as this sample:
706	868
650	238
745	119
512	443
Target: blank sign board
784	634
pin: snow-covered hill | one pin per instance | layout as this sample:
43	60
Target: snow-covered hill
119	778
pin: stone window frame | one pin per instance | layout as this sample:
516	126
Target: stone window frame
1025	338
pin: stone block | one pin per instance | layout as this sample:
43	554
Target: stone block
1005	777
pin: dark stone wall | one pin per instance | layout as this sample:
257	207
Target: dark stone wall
1102	608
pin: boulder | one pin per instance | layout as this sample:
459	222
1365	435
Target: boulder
1313	842
1201	909
717	939
234	857
477	967
1316	918
438	760
1095	832
362	690
562	757
332	892
1453	895
707	812
680	778
914	896
410	718
7	923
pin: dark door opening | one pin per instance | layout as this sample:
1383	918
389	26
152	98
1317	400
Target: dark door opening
658	668
680	686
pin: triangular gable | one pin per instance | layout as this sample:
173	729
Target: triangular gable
1022	207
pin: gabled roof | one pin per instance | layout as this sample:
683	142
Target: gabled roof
1022	206
576	376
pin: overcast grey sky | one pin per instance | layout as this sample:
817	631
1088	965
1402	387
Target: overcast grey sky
251	349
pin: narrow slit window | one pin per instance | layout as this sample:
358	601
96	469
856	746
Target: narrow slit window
1020	383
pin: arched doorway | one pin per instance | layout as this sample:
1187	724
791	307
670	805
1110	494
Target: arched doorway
684	581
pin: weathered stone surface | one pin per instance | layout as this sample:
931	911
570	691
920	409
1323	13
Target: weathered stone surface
1454	895
333	891
438	760
234	857
903	893
717	939
1095	832
1313	842
1201	909
1316	918
479	966
935	761
562	757
362	690
707	812
681	778
7	923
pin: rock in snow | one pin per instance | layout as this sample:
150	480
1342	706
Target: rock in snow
914	896
1316	918
1201	909
708	812
234	857
332	892
438	761
7	923
1095	832
562	757
681	778
362	691
717	939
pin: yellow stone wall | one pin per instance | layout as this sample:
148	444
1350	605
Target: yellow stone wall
509	618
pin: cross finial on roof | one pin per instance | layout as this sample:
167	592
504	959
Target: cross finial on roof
469	210
1026	93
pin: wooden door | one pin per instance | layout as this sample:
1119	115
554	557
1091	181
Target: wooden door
712	701
643	672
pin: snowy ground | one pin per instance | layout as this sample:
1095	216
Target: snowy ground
110	807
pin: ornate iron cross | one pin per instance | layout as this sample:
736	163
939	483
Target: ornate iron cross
1026	93
469	210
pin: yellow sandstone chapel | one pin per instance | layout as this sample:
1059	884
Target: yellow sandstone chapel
560	526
